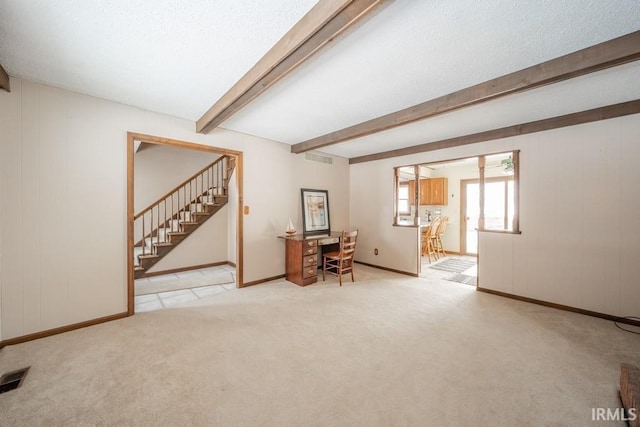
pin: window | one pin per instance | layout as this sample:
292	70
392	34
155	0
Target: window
403	199
499	203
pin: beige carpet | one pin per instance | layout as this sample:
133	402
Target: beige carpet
387	350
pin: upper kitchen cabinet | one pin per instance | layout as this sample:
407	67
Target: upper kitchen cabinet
438	190
433	191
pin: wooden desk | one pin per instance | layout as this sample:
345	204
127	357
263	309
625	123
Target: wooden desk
304	255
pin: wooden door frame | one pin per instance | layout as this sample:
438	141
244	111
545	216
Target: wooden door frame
149	139
463	214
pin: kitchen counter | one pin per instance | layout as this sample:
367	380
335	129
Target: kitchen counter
409	223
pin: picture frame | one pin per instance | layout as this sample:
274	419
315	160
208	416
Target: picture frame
315	211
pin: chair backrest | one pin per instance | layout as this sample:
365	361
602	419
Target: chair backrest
348	244
435	223
426	231
443	225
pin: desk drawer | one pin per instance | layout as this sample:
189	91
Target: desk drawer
308	261
306	251
329	241
310	243
309	271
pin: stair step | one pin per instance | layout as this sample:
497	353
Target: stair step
136	251
174	225
215	191
150	241
196	207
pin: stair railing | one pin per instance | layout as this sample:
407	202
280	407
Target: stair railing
179	204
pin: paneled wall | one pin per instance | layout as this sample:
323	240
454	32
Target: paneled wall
63	202
580	221
579	216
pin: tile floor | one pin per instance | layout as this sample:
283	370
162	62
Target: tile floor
188	286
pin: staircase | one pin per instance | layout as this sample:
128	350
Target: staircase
164	224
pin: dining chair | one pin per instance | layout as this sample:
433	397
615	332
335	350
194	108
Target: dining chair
442	227
425	233
340	262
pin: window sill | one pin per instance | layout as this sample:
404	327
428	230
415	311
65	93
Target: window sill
500	231
407	224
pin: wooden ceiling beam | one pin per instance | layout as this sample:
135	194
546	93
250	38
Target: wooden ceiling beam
587	116
4	80
595	58
321	25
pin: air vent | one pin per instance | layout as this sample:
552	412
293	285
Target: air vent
12	380
318	158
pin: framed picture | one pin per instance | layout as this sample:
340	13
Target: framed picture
315	211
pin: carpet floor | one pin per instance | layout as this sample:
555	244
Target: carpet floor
385	350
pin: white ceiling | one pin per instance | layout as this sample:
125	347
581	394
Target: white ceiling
171	56
179	56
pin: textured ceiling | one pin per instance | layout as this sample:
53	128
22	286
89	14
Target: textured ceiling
179	56
413	51
172	56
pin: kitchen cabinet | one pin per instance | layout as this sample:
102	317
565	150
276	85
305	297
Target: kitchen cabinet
433	191
438	191
412	189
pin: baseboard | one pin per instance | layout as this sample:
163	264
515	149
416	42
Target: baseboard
561	307
393	270
232	264
62	329
257	282
181	269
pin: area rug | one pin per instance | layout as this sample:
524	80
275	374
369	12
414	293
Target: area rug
454	265
462	278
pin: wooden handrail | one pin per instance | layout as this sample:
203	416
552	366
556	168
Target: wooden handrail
185	182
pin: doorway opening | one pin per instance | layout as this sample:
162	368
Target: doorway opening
450	202
175	215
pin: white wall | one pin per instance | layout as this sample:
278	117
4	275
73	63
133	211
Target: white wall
158	169
63	205
579	204
274	197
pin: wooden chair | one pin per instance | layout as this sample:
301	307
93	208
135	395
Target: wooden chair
425	233
442	227
431	248
339	262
